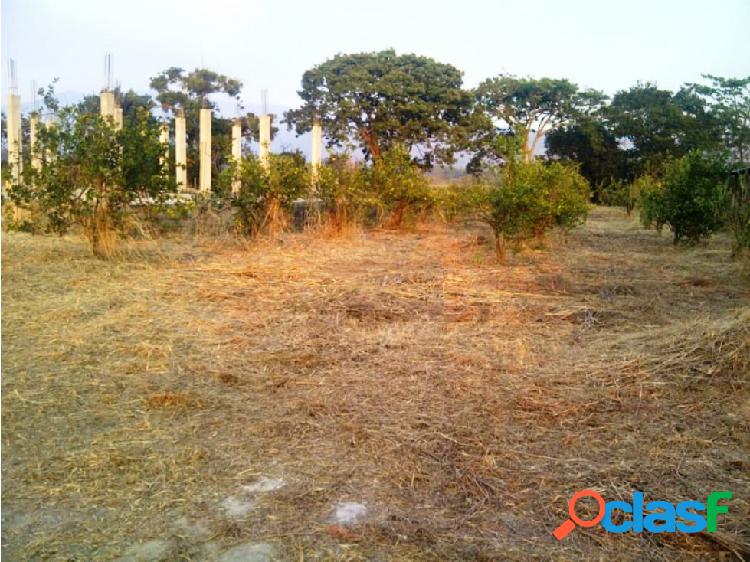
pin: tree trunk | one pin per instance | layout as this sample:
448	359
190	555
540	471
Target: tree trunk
398	215
500	247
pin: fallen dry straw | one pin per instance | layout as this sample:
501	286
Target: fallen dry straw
460	401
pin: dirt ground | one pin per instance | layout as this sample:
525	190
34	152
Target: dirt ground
193	398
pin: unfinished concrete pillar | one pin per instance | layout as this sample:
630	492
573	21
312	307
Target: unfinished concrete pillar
118	118
204	145
316	155
265	141
180	150
164	140
51	124
107	104
236	153
15	163
36	161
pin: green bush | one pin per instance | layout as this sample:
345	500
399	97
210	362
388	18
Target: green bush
523	200
265	196
691	198
649	192
395	183
91	174
340	191
739	211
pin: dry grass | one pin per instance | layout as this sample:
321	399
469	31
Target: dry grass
462	402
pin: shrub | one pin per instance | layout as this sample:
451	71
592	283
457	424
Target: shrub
523	200
649	193
691	199
339	187
396	183
266	196
739	210
91	174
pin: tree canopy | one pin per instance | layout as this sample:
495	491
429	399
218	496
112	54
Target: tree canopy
512	106
381	99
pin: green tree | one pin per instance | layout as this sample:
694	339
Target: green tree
692	197
522	200
590	143
190	91
381	99
659	124
91	174
266	195
728	101
395	183
526	108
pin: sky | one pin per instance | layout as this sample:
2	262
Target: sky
607	45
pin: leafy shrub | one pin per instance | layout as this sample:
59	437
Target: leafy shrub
523	200
91	174
691	199
339	187
396	183
265	196
649	192
739	210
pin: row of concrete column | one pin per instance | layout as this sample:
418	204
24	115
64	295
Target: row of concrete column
110	108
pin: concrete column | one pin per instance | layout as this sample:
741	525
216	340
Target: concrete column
265	141
15	163
204	145
118	118
236	153
180	150
51	124
36	161
164	140
316	156
107	104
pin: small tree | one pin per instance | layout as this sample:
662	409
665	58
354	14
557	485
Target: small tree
525	199
92	173
396	183
266	194
739	210
692	198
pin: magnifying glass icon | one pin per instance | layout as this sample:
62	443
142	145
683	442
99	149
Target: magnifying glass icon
569	524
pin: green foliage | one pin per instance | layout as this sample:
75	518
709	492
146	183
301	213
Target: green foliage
691	198
511	106
190	91
728	101
589	143
648	190
396	184
382	99
91	174
266	194
660	124
738	214
341	192
525	199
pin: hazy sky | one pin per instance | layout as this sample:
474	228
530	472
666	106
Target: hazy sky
604	44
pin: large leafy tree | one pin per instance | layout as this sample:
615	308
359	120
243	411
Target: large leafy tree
191	91
381	99
658	124
526	108
589	142
728	101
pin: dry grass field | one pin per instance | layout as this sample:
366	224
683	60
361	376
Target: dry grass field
193	398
